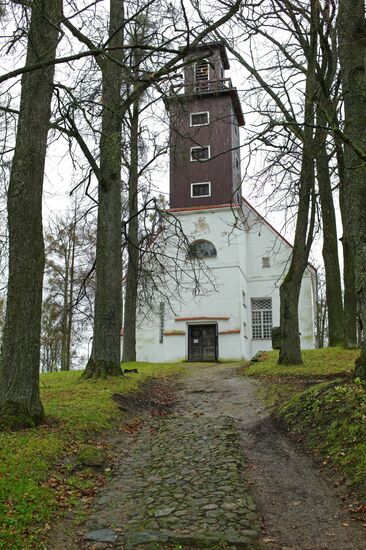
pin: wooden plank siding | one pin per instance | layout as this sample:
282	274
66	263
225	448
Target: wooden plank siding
219	135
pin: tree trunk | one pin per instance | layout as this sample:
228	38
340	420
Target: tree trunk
352	53
350	301
330	242
290	350
70	313
108	299
129	339
65	307
20	404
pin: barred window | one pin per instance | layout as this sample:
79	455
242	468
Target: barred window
261	318
266	261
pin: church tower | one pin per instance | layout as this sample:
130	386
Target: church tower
205	115
222	307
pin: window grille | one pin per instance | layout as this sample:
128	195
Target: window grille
200	153
261	318
161	321
199	119
201	189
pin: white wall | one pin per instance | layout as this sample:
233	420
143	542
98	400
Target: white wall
236	269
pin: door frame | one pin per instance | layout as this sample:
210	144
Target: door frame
203	323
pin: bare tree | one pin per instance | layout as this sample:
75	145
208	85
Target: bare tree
352	52
327	98
321	321
290	350
19	371
108	302
69	247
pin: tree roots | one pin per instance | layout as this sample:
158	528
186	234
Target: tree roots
16	416
101	369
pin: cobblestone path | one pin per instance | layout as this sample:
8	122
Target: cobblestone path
183	484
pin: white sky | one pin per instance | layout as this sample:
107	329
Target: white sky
60	175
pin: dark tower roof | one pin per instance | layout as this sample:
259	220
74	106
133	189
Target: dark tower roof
211	46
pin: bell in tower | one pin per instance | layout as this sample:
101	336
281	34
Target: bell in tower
205	115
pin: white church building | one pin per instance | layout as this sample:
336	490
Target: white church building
235	256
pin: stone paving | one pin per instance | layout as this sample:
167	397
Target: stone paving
182	483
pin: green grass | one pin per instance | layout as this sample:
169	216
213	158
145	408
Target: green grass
32	484
330	416
318	363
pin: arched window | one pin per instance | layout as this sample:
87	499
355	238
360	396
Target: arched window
202	249
201	74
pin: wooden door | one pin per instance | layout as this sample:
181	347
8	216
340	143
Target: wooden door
202	343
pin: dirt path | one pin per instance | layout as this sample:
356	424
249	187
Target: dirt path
299	509
188	478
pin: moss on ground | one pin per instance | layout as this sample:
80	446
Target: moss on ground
91	456
34	490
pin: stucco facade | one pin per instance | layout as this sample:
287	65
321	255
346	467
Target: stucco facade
250	264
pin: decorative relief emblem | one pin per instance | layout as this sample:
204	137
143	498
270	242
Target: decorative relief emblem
201	226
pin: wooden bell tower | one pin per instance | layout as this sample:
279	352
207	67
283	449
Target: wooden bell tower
205	115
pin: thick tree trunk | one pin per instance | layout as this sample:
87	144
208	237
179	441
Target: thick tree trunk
352	52
330	242
20	403
129	339
350	301
108	299
290	350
